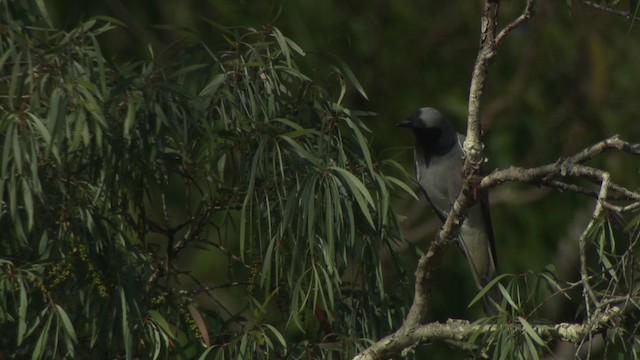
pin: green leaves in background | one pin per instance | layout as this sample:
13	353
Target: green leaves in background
115	176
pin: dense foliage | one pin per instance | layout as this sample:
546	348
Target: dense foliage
120	180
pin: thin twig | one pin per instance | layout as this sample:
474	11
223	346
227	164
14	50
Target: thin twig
584	275
624	14
526	14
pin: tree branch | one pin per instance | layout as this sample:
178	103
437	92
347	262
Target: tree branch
401	339
456	331
571	166
584	275
412	332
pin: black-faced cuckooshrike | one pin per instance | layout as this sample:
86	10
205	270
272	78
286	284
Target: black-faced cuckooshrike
438	159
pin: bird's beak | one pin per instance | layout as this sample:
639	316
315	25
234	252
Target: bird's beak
404	124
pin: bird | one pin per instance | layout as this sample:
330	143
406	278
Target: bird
439	157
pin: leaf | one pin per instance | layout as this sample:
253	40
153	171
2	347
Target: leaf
530	331
22	312
304	154
27	198
532	349
213	85
43	11
6	149
507	296
352	78
205	354
109	19
41	344
55	116
160	320
297	133
402	185
280	39
66	323
42	130
486	288
277	334
15	78
126	334
363	144
553	283
359	192
17	151
130	118
295	46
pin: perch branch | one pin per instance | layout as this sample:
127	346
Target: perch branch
402	338
456	331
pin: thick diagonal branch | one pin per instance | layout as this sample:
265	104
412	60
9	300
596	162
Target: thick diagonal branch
569	167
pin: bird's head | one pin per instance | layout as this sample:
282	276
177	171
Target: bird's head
426	119
432	129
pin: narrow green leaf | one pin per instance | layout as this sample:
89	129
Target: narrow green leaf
127	338
205	354
277	334
265	274
160	320
329	285
213	85
403	186
289	123
530	331
297	133
109	19
359	192
257	159
6	150
41	129
130	118
282	43
17	151
349	74
308	203
158	338
354	182
41	344
532	350
8	51
507	296
13	84
78	129
27	198
43	11
553	284
362	142
22	312
66	323
304	154
295	46
486	289
13	198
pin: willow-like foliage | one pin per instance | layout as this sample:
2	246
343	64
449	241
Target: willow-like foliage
225	206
